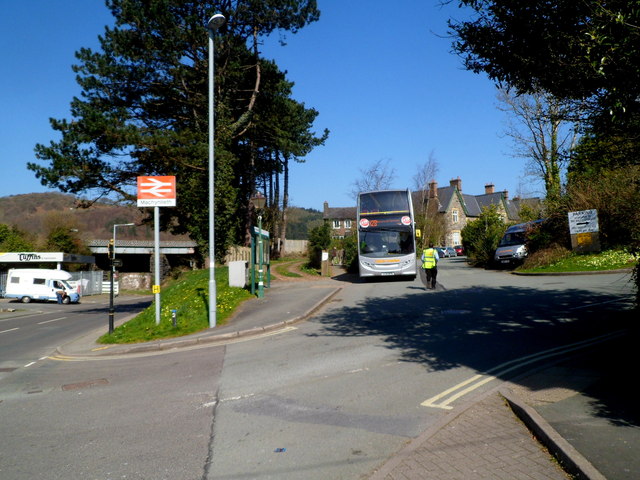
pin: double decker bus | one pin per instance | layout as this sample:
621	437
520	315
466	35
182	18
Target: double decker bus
386	234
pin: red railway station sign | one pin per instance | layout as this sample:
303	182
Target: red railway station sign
158	191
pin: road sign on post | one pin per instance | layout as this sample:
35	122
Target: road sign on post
584	231
157	191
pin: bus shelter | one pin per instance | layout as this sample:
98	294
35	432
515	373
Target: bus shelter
260	264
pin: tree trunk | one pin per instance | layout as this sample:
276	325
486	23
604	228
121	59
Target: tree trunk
285	204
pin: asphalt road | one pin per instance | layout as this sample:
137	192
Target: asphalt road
332	398
34	329
386	360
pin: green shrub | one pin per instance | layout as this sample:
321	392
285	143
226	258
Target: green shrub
350	247
481	236
319	239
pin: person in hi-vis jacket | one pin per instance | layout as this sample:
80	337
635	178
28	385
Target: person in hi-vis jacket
430	259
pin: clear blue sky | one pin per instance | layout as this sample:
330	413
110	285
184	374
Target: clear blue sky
383	80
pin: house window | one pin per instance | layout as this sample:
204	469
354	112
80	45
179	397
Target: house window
454	215
347	224
336	224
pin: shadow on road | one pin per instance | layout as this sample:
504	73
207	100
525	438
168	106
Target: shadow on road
447	329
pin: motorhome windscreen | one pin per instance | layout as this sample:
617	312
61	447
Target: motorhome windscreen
515	238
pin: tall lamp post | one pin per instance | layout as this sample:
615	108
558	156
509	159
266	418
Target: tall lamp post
259	202
213	25
112	258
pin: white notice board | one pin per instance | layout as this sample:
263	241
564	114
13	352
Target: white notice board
584	221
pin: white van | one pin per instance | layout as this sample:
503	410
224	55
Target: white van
512	248
39	284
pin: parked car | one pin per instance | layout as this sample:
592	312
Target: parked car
451	251
440	251
459	250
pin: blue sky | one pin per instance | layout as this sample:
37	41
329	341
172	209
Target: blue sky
384	82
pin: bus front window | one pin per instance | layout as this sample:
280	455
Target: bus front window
379	243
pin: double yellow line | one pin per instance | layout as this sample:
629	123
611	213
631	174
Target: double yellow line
445	399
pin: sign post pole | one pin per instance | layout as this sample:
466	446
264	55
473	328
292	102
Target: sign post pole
156	260
157	192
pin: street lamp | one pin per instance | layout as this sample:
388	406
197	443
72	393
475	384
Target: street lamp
259	202
213	24
112	257
114	234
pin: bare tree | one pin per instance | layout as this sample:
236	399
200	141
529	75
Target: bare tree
544	131
425	174
428	220
378	176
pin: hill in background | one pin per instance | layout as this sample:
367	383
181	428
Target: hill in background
35	213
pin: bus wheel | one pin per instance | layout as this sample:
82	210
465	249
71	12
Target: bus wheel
25	299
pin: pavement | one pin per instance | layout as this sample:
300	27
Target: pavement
589	428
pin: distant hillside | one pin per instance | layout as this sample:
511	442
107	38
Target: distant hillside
300	221
34	212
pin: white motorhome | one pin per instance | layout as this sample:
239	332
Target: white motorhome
29	284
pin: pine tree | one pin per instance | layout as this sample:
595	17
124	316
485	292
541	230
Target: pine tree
144	108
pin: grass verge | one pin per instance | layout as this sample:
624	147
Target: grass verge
188	295
592	262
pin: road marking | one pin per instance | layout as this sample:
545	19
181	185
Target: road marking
623	299
49	321
29	364
26	315
457	391
10	330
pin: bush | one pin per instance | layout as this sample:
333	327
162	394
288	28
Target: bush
480	238
319	239
350	247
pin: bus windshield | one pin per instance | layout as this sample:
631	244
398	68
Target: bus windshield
383	242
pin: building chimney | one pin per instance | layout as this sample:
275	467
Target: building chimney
456	182
326	207
506	194
489	188
433	189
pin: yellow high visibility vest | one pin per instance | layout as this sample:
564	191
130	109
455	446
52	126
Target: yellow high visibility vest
429	258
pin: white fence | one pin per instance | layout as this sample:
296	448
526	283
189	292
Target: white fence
295	246
237	253
106	287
